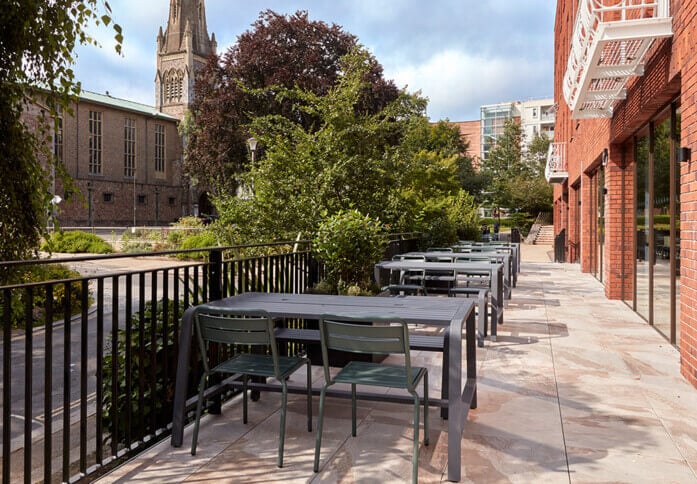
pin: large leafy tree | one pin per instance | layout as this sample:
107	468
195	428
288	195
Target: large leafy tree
516	176
392	165
37	41
254	78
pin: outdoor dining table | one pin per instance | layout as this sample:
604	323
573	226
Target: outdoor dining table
510	273
512	247
452	314
494	269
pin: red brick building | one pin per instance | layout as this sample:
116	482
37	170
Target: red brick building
125	158
625	197
125	161
470	130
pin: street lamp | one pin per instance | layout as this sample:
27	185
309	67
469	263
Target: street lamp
89	204
157	206
54	201
252	142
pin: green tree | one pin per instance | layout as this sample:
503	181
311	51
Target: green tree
392	165
37	41
280	53
348	161
517	177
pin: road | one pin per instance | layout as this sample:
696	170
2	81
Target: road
69	376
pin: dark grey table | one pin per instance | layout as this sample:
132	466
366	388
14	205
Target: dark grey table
453	314
510	272
495	280
512	247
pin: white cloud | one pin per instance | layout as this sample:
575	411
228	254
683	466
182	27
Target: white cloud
457	83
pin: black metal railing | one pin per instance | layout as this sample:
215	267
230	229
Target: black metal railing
560	246
89	363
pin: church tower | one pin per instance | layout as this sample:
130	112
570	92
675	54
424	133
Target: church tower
181	51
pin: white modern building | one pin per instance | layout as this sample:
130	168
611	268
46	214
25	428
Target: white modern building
535	116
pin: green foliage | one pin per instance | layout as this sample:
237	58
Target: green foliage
36	57
142	364
464	216
280	53
522	222
41	273
517	178
198	240
76	243
350	244
437	225
136	246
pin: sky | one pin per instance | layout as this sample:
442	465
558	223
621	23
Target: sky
460	54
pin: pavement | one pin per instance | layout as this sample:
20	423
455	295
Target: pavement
576	389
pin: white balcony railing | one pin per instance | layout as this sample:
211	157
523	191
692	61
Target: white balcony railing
555	171
608	46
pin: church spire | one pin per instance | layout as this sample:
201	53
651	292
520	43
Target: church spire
181	51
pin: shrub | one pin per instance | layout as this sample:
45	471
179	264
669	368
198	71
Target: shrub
522	221
350	244
43	273
76	242
143	364
463	214
136	246
437	225
197	241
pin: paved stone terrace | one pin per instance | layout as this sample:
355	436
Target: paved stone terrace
577	389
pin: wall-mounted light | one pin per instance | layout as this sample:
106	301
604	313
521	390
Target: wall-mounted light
685	154
604	191
603	159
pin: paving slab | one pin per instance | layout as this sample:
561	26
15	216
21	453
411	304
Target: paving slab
576	389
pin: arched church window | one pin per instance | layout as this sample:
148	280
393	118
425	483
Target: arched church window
174	86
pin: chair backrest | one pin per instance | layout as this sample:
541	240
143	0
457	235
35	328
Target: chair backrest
412	257
238	326
372	335
439	249
473	258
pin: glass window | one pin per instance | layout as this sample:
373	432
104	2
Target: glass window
58	135
159	148
661	227
129	148
656	295
643	202
95	143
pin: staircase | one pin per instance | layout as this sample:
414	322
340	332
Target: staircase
545	236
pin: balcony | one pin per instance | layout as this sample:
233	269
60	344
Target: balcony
555	171
608	46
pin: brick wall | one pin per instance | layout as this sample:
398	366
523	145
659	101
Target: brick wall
686	61
670	74
90	190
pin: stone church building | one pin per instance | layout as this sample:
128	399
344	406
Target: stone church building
126	158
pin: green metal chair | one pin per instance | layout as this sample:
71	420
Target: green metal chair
407	282
359	335
248	329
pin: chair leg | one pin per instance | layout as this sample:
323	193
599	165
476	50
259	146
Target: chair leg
318	440
353	409
199	408
415	457
282	433
426	408
244	399
309	396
